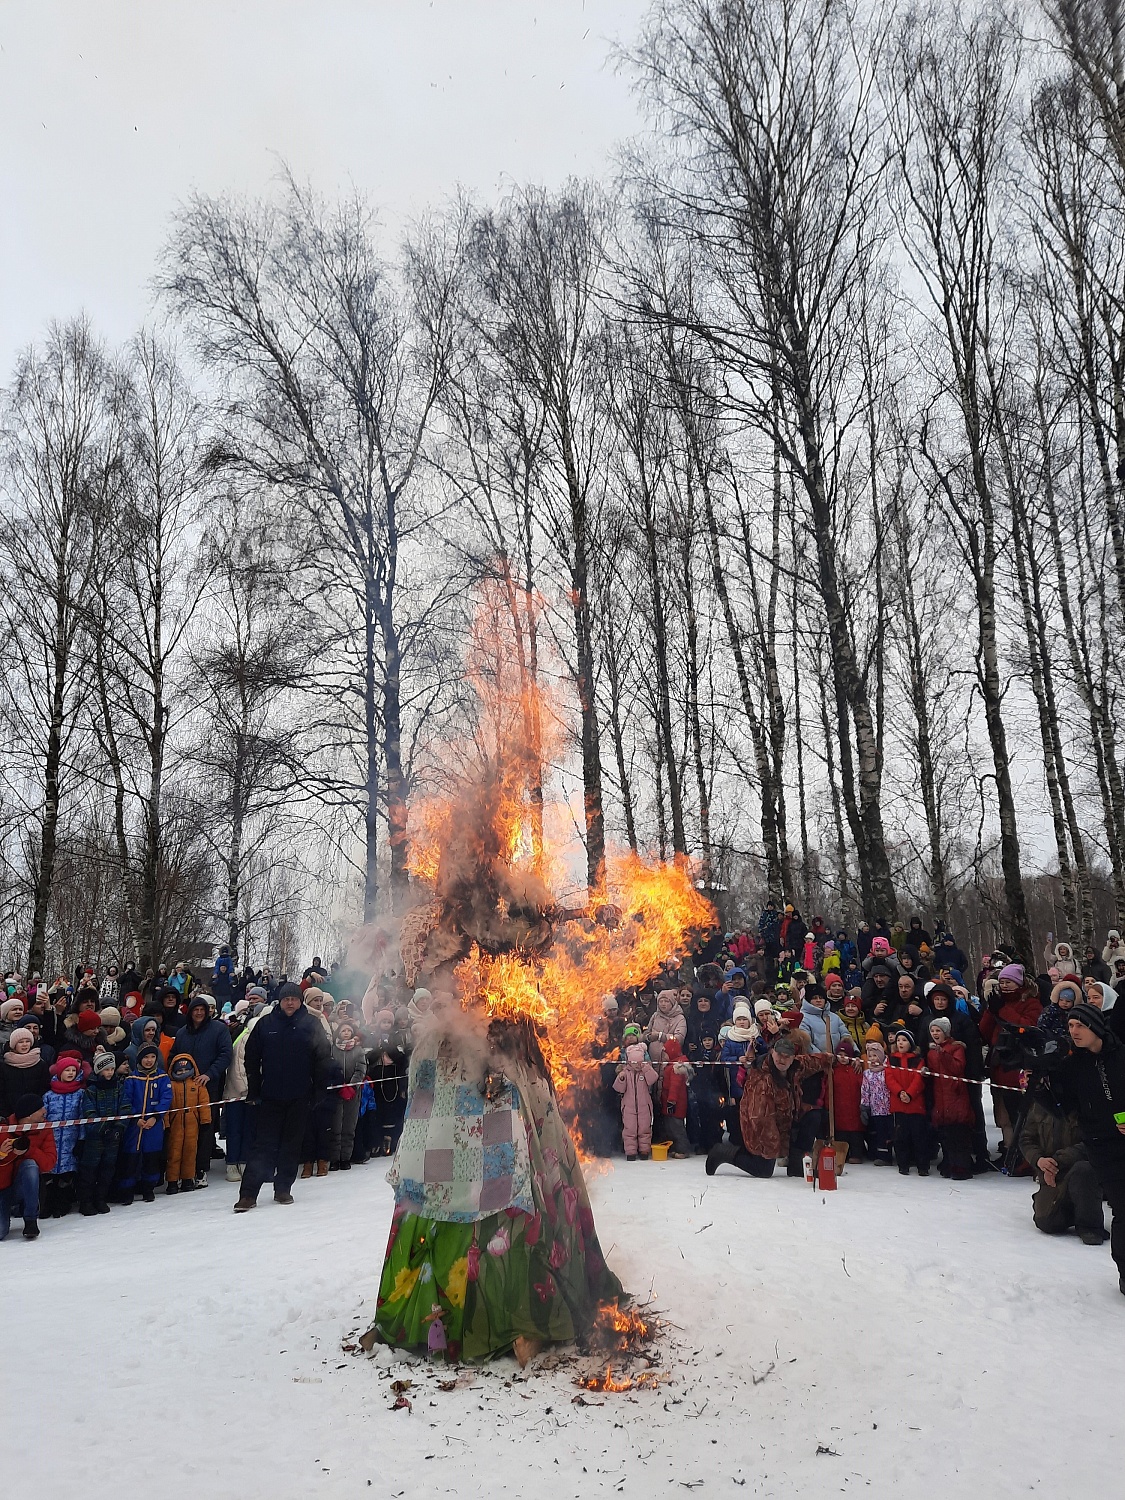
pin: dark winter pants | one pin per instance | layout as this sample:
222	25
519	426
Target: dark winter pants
912	1142
141	1166
97	1161
276	1154
757	1166
956	1150
22	1197
239	1123
1076	1200
674	1131
1108	1160
801	1138
710	1115
317	1141
880	1137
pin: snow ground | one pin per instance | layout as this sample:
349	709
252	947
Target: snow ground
921	1330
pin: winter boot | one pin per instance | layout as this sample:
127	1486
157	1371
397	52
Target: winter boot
282	1197
171	1190
322	1169
102	1206
306	1169
31	1229
334	1166
126	1200
86	1205
724	1152
148	1193
244	1205
344	1166
232	1174
188	1185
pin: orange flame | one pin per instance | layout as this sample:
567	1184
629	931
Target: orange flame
490	852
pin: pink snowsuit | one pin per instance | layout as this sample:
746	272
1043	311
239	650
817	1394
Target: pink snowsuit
634	1083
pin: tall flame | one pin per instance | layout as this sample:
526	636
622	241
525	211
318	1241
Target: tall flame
489	852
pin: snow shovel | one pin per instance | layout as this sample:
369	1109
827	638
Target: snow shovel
829	1155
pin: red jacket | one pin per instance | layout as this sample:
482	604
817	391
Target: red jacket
846	1084
904	1075
41	1149
952	1105
673	1085
1025	1012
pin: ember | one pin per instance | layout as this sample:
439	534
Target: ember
647	1380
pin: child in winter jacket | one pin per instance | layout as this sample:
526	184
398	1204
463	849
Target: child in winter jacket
104	1096
347	1050
24	1156
62	1108
847	1085
952	1113
906	1084
708	1092
875	1105
634	1082
191	1108
148	1095
674	1080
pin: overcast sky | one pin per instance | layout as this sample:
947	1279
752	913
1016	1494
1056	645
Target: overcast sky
111	110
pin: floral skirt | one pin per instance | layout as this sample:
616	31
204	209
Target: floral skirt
468	1291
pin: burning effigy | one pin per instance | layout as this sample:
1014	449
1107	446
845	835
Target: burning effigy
492	1245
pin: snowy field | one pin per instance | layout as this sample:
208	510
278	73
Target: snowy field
921	1331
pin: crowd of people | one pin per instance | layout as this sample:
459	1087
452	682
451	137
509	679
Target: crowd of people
883	1040
771	1039
117	1086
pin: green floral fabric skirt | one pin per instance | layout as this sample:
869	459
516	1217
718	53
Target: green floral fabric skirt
468	1291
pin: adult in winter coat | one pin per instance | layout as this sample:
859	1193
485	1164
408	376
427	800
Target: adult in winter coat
879	994
187	1121
668	1022
1091	1082
769	1115
22	1070
1114	947
11	1016
1095	967
1068	1193
349	1057
100	1134
1014	1003
286	1057
951	1111
825	1028
635	1080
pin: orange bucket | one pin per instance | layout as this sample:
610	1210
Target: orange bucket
660	1150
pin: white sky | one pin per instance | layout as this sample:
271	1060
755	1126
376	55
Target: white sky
111	110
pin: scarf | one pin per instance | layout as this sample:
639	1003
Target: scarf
60	1086
22	1059
748	1033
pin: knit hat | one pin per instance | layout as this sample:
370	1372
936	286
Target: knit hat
942	1023
21	1034
1092	1018
1067	989
111	1017
631	1030
880	946
290	991
67	1060
145	1048
89	1022
11	1010
741	1009
1014	972
257	990
940	989
762	1007
609	1005
105	1062
240	1007
847	1047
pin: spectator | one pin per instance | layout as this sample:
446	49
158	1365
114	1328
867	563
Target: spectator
847	1087
1013	1003
668	1023
104	1096
188	1119
26	1153
825	1028
1091	1083
952	1112
22	1070
875	1104
636	1078
1068	1194
148	1096
674	1079
207	1041
348	1055
906	1086
62	1109
286	1059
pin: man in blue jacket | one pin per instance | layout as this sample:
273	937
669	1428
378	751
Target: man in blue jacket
287	1056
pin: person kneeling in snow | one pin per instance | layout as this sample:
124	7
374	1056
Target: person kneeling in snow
769	1114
